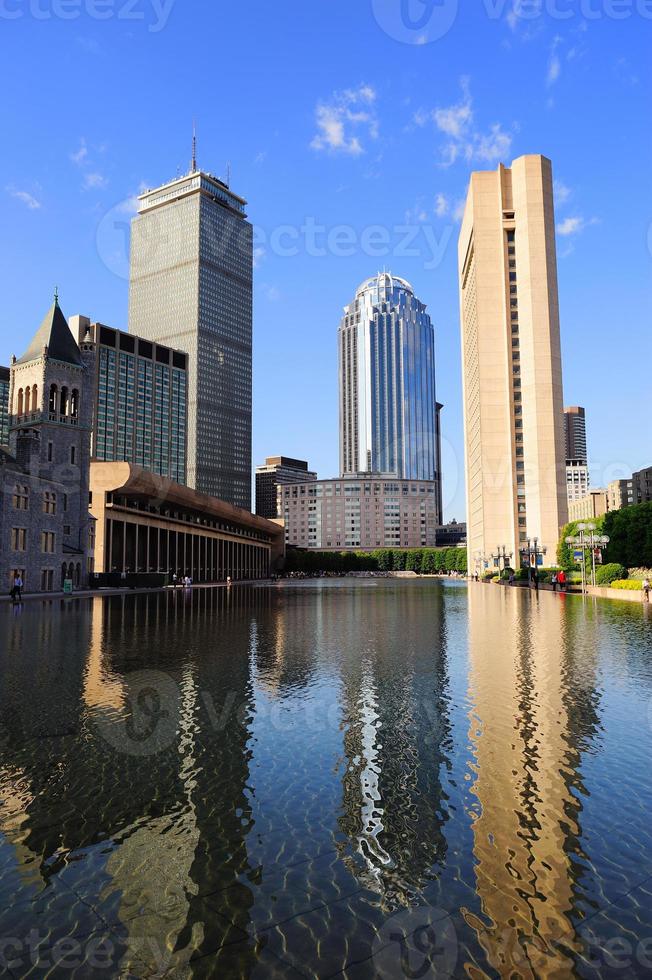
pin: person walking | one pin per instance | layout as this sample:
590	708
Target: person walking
175	580
553	581
535	579
18	587
646	589
561	579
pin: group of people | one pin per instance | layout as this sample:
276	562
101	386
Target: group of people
186	582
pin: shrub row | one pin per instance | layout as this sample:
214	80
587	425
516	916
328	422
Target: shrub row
423	561
629	584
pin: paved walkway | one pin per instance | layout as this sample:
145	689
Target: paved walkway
93	593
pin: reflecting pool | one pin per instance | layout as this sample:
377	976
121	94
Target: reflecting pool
371	778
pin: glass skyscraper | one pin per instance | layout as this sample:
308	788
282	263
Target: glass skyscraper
139	401
388	408
190	288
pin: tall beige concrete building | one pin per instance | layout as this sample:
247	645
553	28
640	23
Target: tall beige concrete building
511	363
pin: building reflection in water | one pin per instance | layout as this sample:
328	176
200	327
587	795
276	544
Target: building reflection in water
137	837
534	710
396	738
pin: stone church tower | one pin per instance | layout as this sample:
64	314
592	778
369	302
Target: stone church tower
50	408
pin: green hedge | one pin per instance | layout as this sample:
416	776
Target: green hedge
423	561
606	574
628	584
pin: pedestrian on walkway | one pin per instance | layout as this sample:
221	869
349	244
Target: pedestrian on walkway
646	589
17	589
561	580
554	581
535	579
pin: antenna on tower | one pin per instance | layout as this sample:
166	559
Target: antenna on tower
228	173
193	162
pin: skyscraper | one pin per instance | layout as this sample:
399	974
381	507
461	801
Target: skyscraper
277	471
577	463
511	362
388	409
575	432
190	289
139	400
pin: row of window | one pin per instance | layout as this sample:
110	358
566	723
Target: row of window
20	499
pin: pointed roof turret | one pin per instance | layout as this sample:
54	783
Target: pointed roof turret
55	334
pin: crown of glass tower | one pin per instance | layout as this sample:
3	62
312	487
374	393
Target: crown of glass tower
388	408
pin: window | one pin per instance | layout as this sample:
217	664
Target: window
49	502
21	498
72	455
47	542
66	528
18	538
50	452
47	579
65	502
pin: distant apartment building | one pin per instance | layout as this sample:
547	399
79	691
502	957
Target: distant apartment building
4	406
594	504
577	479
575	433
451	535
577	469
642	481
621	493
277	471
511	360
360	511
139	402
190	287
636	489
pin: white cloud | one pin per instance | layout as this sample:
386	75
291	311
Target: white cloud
442	205
465	140
260	157
562	192
554	63
79	156
94	181
574	225
456	119
259	255
345	120
273	293
27	199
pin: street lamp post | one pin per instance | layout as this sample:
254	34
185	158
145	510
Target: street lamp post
501	555
587	538
533	551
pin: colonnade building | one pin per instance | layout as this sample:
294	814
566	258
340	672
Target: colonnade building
147	523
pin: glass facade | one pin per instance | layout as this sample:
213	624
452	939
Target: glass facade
191	288
140	403
388	408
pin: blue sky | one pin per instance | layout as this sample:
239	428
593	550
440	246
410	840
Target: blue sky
351	129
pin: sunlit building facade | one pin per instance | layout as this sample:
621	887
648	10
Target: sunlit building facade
139	411
360	511
388	408
190	289
511	362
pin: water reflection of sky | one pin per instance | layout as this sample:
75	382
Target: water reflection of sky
263	779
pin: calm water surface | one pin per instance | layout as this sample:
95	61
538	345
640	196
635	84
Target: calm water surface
368	779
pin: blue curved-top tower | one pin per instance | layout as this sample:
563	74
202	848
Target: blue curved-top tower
388	407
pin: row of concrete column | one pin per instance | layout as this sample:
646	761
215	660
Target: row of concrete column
205	557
